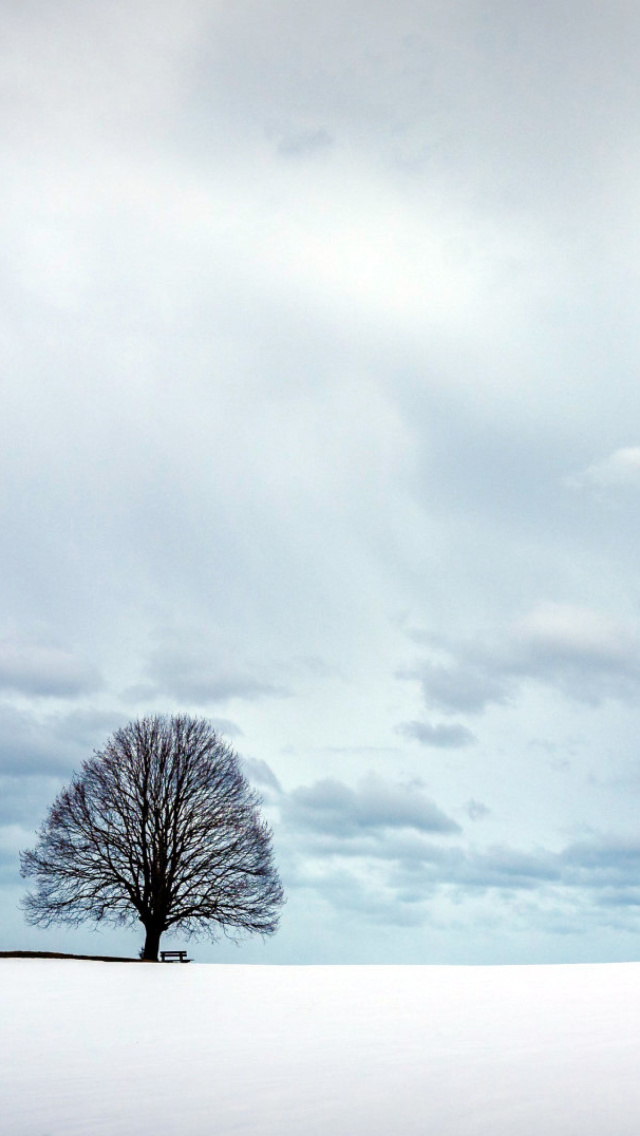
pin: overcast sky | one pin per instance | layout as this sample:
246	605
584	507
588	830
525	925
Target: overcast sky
320	416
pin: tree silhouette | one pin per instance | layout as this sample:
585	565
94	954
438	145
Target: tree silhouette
161	827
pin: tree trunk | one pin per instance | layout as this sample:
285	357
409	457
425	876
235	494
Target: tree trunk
151	943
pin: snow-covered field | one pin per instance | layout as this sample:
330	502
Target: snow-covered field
107	1049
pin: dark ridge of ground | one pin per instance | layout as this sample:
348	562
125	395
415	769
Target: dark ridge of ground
57	955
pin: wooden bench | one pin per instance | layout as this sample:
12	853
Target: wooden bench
174	956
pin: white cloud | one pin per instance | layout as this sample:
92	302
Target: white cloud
618	471
554	632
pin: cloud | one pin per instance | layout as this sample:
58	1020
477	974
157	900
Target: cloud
261	774
566	632
587	654
376	852
442	736
413	860
346	893
466	686
583	654
409	876
36	670
48	744
31	744
188	669
298	143
606	864
25	800
476	810
621	470
376	806
227	727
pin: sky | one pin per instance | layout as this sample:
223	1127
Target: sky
320	417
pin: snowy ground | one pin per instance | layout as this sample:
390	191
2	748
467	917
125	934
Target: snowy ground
104	1049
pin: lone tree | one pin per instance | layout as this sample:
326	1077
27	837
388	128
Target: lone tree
161	826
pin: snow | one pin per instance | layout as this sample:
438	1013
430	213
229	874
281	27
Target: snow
108	1049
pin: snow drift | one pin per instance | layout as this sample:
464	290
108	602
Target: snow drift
121	1050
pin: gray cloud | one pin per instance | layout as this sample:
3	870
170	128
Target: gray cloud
376	805
477	810
187	683
375	852
32	745
24	800
604	863
466	686
37	743
297	143
226	726
579	652
34	669
190	670
262	774
442	736
346	893
589	883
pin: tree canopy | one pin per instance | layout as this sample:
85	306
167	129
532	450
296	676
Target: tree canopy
162	827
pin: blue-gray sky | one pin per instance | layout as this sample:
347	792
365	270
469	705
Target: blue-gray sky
320	416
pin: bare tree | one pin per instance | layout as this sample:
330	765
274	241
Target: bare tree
161	826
